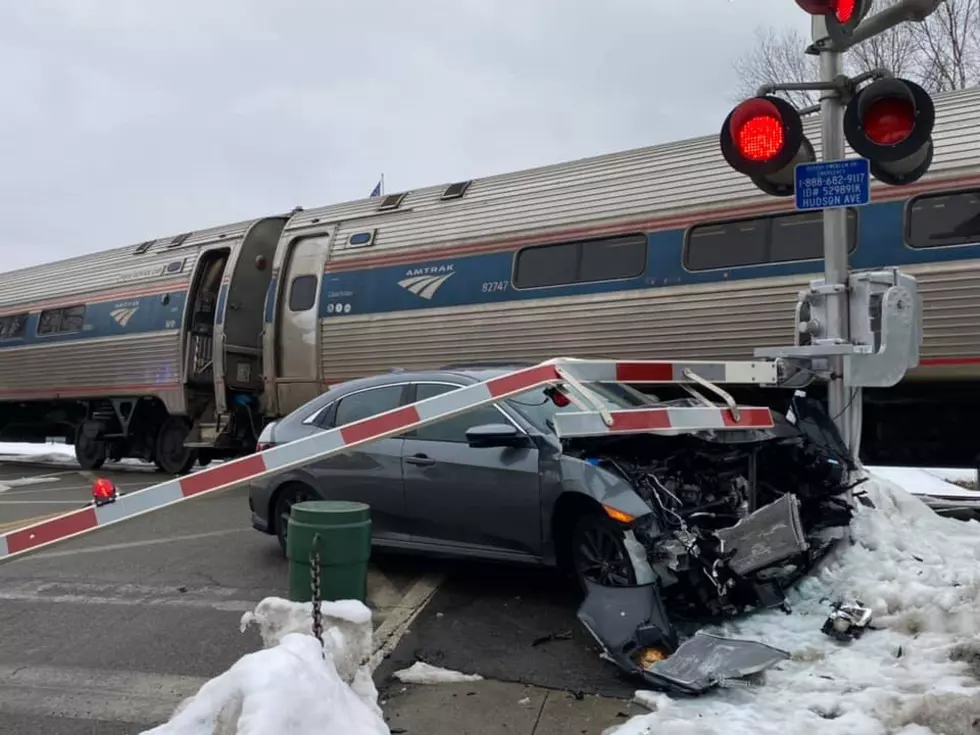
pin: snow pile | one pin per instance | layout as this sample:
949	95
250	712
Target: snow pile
293	686
918	675
37	452
47	453
937	482
423	673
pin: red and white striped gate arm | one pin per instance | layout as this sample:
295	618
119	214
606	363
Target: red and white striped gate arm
446	405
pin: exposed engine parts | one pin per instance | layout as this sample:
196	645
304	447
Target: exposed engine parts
732	525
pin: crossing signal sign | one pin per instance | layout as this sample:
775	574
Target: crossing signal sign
763	139
890	123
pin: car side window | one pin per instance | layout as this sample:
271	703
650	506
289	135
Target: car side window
455	428
367	403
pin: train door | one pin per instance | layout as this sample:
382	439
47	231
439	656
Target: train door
199	371
297	344
240	313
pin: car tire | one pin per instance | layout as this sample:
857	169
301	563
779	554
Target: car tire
285	500
598	552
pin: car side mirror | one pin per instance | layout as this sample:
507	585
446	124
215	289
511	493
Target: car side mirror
494	435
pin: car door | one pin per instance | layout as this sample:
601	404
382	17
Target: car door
372	473
455	494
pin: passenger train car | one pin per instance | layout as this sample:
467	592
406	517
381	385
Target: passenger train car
182	348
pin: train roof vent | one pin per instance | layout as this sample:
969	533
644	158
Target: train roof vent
143	247
179	240
456	191
392	201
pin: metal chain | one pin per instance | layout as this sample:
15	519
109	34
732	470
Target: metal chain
315	588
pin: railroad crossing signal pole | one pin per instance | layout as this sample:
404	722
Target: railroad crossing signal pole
841	325
843	400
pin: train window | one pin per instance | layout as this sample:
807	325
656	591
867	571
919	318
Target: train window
302	293
777	239
800	236
60	321
546	265
581	262
941	220
726	245
13	326
607	260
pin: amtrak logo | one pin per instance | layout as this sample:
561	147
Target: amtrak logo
424	282
122	315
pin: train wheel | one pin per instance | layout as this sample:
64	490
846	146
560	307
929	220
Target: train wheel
170	455
89	451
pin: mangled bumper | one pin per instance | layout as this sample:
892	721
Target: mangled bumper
635	631
629	621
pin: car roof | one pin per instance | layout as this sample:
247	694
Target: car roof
478	373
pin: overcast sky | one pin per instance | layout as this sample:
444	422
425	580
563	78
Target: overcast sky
126	120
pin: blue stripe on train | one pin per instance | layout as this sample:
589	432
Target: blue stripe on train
480	279
139	315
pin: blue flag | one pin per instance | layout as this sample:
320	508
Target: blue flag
376	191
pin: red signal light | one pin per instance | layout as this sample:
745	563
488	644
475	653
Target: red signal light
890	123
841	16
557	397
844	11
889	120
103	491
757	130
763	139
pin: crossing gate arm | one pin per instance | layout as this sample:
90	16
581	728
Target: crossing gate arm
237	472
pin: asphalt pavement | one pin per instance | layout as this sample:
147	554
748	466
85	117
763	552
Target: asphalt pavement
106	633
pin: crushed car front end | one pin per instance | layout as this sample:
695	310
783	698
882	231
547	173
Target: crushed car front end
735	518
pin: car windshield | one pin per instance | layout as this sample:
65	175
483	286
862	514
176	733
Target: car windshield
539	409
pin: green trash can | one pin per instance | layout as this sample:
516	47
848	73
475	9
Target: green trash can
341	532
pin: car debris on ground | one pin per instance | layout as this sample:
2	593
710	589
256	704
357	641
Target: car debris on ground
847	621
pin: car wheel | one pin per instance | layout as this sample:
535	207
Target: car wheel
288	497
598	553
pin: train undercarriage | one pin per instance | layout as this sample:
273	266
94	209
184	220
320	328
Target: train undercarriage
110	429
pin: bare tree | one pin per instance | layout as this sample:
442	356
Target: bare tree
942	53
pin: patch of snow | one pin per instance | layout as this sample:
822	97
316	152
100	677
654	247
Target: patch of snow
924	481
49	453
30	449
293	686
423	673
918	675
38	452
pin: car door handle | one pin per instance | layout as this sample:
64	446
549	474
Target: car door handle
420	459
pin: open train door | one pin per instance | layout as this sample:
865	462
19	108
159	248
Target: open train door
239	316
296	345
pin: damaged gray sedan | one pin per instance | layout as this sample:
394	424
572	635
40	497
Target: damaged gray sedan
729	521
662	531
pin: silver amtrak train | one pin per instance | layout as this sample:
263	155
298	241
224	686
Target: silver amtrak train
180	349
